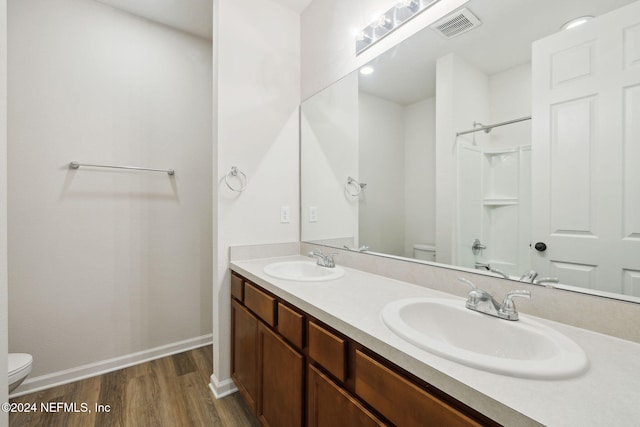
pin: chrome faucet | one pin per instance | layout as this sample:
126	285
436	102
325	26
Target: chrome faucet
323	260
485	266
529	276
543	280
363	248
483	302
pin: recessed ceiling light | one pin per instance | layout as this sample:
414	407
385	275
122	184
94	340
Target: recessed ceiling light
366	70
576	22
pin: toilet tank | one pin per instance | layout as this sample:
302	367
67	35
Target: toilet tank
424	252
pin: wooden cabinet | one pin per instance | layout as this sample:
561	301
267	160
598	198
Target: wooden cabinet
292	370
291	325
268	372
262	304
237	287
244	360
329	350
282	375
329	405
401	401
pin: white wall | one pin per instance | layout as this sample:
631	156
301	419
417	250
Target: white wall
329	127
256	129
381	159
510	98
4	417
462	97
395	158
470	207
106	263
420	174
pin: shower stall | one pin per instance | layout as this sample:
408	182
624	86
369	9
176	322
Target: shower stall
494	208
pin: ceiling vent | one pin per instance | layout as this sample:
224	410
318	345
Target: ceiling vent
456	23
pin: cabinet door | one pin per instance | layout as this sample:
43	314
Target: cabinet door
244	340
328	405
282	386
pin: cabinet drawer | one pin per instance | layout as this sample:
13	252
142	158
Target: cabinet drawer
261	304
236	287
290	325
401	401
328	350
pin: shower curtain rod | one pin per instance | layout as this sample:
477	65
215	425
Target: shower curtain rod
489	127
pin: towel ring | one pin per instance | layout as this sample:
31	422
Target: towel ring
353	187
236	173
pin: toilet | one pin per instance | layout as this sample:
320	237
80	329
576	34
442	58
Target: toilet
19	368
424	252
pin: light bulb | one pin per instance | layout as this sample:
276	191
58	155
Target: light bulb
366	70
576	22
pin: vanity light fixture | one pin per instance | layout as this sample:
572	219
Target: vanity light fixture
366	70
383	24
576	22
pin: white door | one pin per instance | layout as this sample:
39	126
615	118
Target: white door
586	153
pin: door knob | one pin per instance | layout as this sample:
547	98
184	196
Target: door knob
540	246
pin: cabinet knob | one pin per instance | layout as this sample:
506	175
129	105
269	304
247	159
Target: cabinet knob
540	246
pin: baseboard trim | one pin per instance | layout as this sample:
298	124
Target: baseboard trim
222	389
43	382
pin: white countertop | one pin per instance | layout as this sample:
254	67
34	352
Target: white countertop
608	394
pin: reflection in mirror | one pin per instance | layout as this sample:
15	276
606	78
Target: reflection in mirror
507	149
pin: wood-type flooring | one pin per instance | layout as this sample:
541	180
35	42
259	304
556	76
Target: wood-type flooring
168	392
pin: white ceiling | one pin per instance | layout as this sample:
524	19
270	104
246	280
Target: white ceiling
406	73
191	16
296	5
502	41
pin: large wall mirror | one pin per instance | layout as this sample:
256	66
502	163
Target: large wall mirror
509	148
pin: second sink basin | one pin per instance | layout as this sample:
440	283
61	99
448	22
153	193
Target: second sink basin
303	271
524	348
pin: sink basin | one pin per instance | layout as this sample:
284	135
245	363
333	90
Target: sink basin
303	271
524	348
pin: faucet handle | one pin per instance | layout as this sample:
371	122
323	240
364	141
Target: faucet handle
529	276
508	308
467	282
543	280
329	261
315	252
475	294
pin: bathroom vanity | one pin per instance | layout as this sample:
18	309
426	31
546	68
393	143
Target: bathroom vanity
310	353
275	345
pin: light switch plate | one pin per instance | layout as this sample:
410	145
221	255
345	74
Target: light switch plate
285	215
